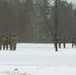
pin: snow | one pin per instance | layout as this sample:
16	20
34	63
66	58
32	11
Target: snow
38	59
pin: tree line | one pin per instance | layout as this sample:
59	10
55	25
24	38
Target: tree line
34	20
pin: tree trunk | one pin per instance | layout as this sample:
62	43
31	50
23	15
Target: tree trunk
56	26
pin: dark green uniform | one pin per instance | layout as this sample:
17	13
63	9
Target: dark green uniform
64	41
73	41
7	43
59	41
4	42
0	42
54	41
13	42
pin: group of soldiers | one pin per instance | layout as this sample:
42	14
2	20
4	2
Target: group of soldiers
60	40
8	42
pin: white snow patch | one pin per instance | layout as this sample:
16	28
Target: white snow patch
38	59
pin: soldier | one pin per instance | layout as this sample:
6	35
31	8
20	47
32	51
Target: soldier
13	42
0	42
10	43
59	41
7	42
73	41
4	42
54	41
64	41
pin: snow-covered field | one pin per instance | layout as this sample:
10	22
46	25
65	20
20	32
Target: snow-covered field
38	59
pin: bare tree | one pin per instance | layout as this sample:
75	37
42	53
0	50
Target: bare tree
59	19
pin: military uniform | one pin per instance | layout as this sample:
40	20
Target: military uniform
64	41
13	42
59	41
73	41
54	41
0	42
7	42
4	42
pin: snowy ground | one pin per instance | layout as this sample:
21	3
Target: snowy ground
38	59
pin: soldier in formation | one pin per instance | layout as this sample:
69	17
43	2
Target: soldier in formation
8	42
61	40
54	41
0	42
64	41
73	41
4	42
13	41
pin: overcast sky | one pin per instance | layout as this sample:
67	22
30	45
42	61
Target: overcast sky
74	1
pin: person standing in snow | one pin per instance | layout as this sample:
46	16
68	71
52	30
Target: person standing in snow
64	41
7	42
54	41
0	42
59	40
73	41
4	42
13	42
10	42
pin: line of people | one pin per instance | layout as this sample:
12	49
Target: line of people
60	40
8	42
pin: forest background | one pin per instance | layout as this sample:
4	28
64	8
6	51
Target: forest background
33	21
